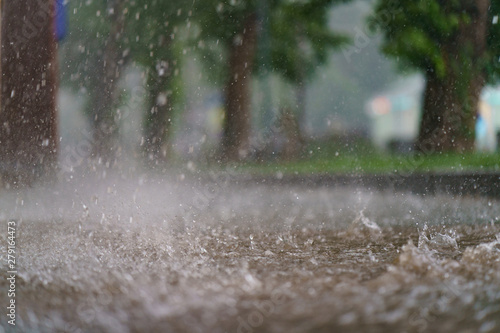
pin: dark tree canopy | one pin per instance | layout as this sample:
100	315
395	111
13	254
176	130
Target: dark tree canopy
301	39
417	33
299	35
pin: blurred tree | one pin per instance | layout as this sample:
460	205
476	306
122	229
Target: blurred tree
456	45
106	99
299	51
295	52
154	28
83	48
93	59
233	25
28	131
108	36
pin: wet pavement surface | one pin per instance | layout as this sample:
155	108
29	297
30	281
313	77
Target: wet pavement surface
176	255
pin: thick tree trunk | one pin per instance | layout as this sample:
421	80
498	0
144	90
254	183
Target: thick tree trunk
237	121
159	117
28	117
105	102
449	116
451	103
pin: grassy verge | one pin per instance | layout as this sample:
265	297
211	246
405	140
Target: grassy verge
363	159
380	164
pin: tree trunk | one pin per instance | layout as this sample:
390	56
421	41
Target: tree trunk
105	102
291	134
301	82
446	124
237	121
28	117
301	97
159	117
451	102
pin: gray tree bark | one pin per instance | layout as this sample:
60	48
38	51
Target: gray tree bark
28	117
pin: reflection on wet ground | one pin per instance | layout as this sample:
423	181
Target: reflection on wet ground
145	255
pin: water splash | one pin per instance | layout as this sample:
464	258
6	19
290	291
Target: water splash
362	226
435	241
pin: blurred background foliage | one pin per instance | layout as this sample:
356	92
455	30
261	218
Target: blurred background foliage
314	67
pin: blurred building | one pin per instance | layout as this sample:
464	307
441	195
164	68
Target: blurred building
488	126
395	116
